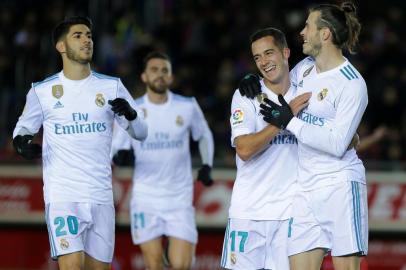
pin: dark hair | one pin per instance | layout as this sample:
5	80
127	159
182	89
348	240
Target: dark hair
342	22
278	36
155	54
63	27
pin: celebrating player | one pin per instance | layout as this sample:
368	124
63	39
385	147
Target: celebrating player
77	108
330	209
256	234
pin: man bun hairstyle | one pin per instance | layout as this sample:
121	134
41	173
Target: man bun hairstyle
342	22
348	7
62	28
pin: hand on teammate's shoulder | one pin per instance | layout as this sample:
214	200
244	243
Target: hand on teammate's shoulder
249	85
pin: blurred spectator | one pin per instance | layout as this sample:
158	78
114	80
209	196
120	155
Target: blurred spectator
377	135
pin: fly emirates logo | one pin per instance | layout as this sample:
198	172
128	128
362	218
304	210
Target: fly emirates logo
161	140
311	119
81	124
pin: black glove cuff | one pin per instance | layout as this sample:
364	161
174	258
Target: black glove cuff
21	140
206	167
132	115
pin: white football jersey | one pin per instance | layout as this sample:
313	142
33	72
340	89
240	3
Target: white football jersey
325	128
162	178
265	184
77	134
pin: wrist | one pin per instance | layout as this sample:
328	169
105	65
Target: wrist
20	140
295	125
206	166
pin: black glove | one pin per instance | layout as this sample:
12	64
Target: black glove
124	158
249	86
275	114
121	106
204	175
24	147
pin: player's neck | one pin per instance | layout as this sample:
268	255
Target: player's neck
157	98
76	71
329	58
281	87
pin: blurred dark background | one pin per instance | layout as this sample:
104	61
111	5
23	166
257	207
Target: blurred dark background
208	42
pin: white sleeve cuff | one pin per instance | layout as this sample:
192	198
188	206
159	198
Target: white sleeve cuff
137	129
238	132
295	125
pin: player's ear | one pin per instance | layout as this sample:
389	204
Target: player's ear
171	78
326	33
60	46
144	77
286	53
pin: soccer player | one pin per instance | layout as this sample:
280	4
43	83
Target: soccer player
266	157
161	203
77	108
330	209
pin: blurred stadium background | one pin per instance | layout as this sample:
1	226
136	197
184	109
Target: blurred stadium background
208	42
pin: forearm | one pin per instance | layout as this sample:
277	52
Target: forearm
335	137
250	144
138	129
333	141
206	148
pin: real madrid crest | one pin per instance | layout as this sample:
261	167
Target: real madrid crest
57	91
100	101
307	71
64	243
260	97
233	258
179	120
322	94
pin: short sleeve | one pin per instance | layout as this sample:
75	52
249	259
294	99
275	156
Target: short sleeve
243	116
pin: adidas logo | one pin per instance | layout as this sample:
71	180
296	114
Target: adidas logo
58	105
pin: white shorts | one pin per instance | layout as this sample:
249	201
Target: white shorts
333	217
250	244
84	227
147	225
